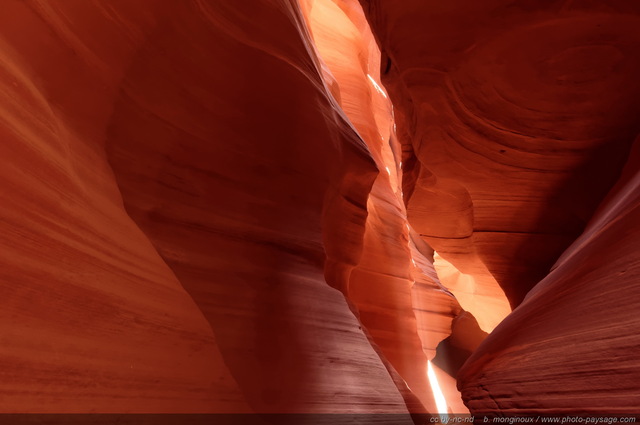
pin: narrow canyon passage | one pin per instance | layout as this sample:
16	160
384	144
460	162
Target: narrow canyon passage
401	303
340	208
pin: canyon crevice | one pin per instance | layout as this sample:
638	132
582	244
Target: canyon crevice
320	206
517	118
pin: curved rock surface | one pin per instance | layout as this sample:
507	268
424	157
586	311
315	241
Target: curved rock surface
206	210
394	288
92	319
518	116
571	346
243	170
180	193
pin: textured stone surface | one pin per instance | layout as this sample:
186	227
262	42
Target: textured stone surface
394	288
92	319
571	346
169	172
204	209
518	116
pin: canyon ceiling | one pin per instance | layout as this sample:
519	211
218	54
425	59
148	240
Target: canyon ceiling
320	206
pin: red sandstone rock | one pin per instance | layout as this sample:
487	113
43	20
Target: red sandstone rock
405	311
206	211
571	346
92	319
244	190
518	116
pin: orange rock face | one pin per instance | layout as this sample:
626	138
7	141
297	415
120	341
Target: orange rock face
516	119
404	310
247	161
206	209
92	318
571	346
189	114
198	217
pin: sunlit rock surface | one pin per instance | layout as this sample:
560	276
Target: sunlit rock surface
207	206
572	345
176	184
517	118
394	288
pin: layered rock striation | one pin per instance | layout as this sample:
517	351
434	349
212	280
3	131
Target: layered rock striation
210	207
517	118
195	219
571	346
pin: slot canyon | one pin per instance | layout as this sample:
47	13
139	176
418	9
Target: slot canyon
350	210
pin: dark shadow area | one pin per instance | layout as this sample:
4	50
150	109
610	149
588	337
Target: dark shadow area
465	337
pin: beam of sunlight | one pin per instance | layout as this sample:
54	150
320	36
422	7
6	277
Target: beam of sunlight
377	86
348	49
441	402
